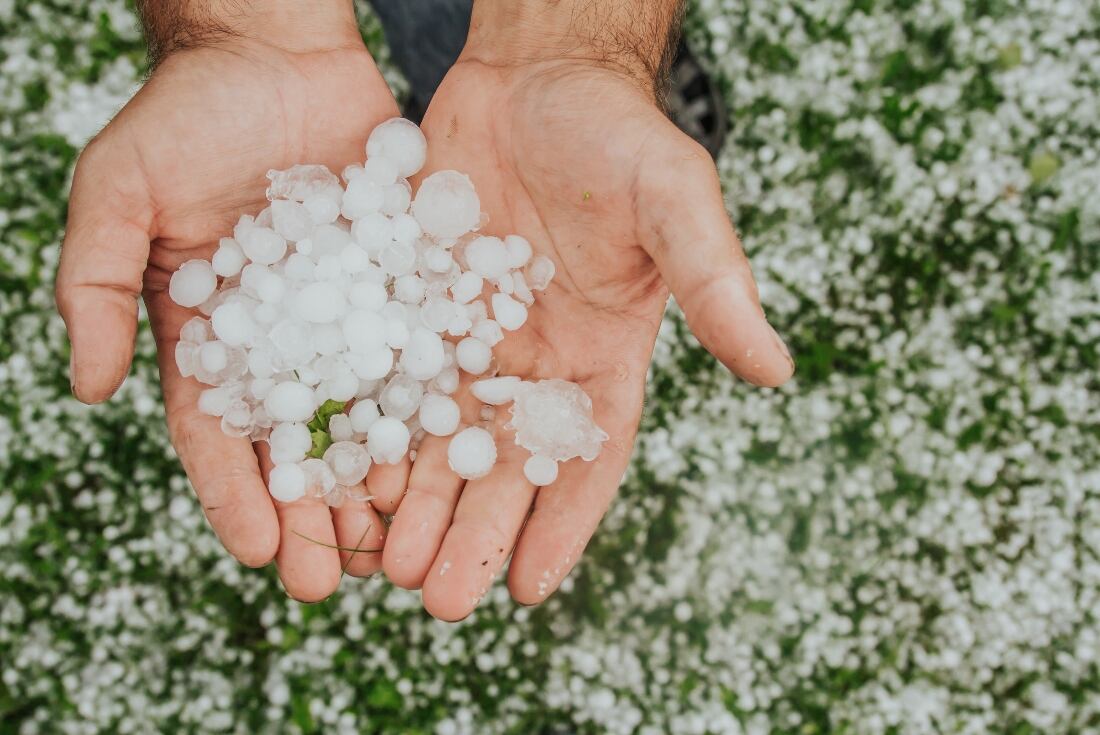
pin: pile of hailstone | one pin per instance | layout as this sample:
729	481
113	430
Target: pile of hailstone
344	314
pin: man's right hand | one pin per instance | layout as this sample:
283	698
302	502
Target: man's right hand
277	85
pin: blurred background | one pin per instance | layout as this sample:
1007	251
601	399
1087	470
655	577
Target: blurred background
904	539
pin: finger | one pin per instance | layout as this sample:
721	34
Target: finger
425	514
687	231
307	560
222	469
100	274
426	509
567	512
358	526
386	484
487	519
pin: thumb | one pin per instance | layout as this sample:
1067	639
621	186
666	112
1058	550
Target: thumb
687	232
99	277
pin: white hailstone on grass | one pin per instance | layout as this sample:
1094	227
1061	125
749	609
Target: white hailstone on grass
193	283
519	251
290	401
508	313
400	141
472	453
228	259
473	355
488	257
388	440
553	418
540	471
349	461
446	205
439	415
495	391
362	415
287	483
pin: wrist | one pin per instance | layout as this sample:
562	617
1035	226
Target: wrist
633	37
290	25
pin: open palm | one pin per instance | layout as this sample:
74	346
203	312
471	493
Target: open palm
159	186
579	160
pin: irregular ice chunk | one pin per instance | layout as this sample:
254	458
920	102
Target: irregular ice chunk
439	415
553	418
472	453
193	283
446	205
400	141
495	391
540	471
300	182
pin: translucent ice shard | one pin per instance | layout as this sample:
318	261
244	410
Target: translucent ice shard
553	418
301	182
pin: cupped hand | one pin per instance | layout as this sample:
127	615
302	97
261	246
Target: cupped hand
577	158
160	185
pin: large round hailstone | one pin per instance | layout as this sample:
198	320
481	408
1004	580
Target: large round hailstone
400	141
287	483
388	440
439	415
193	283
472	453
290	401
447	205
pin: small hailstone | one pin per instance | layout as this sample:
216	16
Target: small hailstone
214	401
186	354
405	228
319	303
362	415
488	257
263	245
437	313
488	331
509	313
372	365
505	284
196	330
540	272
519	251
397	334
520	290
233	324
319	478
401	397
290	401
398	259
291	219
472	453
364	331
287	483
409	289
349	462
213	356
340	428
467	287
400	141
388	440
228	259
379	170
447	380
422	358
439	415
553	418
361	198
446	205
540	471
322	208
495	391
193	283
473	355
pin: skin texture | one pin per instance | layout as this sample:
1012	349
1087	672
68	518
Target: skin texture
577	158
162	182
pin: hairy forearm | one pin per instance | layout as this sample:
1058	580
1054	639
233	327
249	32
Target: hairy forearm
636	36
174	25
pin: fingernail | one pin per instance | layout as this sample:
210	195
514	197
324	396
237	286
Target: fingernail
781	345
72	372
